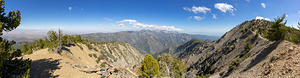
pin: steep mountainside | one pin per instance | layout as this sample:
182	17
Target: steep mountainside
146	41
204	37
241	52
107	59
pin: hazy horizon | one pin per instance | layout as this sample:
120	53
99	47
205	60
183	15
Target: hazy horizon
205	17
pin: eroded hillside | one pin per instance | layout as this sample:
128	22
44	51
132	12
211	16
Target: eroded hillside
242	52
106	59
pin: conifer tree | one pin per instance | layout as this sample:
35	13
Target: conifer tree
150	67
11	67
277	30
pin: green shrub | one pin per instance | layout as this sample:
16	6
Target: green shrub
201	76
244	30
178	68
91	55
150	67
95	55
277	29
246	55
170	66
102	65
235	63
248	46
222	73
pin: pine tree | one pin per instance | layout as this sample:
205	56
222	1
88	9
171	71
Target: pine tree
9	65
52	40
150	67
277	30
170	66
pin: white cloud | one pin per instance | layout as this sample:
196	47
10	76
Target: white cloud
136	24
214	16
259	17
198	18
224	7
196	10
263	5
70	8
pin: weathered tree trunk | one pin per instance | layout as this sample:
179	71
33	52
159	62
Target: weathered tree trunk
59	45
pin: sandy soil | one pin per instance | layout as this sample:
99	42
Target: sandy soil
46	64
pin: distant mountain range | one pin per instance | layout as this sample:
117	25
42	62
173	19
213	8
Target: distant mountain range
241	52
148	41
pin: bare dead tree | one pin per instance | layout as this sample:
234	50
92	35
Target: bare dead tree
59	45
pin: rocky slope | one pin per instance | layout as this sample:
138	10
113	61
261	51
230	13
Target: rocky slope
107	59
241	52
146	41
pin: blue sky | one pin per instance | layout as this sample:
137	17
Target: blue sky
211	17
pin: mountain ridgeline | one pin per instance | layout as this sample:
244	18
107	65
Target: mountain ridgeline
146	41
81	57
256	48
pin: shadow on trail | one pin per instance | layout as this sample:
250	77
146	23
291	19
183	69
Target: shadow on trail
44	68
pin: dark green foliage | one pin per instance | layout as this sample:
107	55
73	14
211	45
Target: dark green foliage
292	35
90	47
222	73
201	76
10	66
235	63
102	65
170	66
26	49
95	55
150	67
248	47
277	29
51	42
244	30
91	55
178	68
246	55
18	67
98	60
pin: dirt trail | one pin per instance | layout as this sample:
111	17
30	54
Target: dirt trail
48	64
